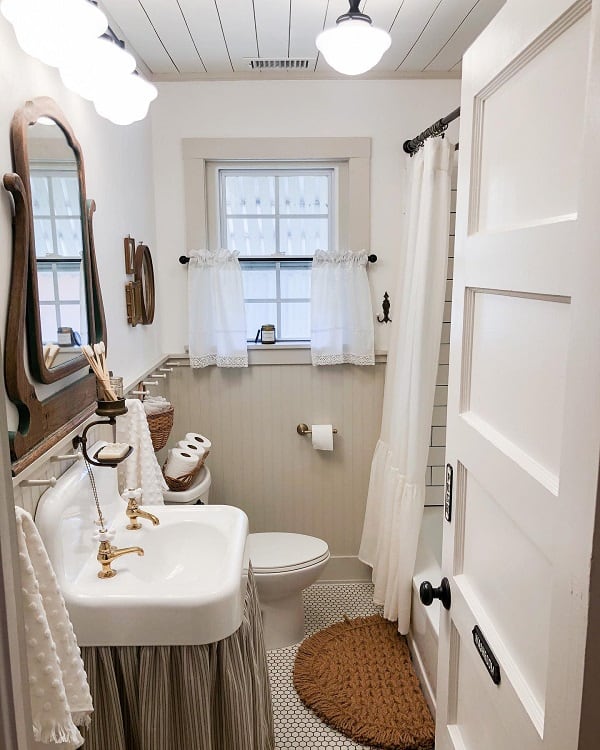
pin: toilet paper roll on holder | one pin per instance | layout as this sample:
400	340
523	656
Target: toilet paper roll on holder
304	429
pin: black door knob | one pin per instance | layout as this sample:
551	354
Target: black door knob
427	593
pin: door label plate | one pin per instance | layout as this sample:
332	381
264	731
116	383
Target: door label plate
487	655
448	493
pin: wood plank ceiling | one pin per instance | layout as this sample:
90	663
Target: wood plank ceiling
214	39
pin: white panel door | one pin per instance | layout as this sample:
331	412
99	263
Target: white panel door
524	410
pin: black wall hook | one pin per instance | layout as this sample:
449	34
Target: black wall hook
385	306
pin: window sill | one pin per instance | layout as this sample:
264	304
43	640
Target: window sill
281	353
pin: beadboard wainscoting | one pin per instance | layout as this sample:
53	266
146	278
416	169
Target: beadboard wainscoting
260	463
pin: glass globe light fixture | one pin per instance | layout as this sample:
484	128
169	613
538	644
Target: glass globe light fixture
354	45
127	101
51	30
93	69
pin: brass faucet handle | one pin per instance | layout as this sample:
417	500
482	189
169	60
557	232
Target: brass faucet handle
107	554
134	512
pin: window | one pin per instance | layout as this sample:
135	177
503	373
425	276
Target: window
58	243
347	162
276	217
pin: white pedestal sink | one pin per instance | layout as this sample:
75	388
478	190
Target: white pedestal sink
188	588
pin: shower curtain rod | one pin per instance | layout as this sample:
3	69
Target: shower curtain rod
183	259
414	144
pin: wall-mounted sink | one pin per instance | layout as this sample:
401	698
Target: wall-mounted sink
187	588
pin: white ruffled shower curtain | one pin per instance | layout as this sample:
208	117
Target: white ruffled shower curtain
216	312
341	313
397	484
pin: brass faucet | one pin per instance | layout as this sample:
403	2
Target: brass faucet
107	553
134	512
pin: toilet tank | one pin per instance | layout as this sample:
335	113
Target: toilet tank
197	493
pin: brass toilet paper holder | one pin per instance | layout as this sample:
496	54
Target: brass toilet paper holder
304	429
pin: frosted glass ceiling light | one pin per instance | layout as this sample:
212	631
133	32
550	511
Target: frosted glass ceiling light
128	101
94	69
354	45
51	29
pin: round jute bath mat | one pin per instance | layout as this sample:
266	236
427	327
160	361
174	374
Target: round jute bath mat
357	676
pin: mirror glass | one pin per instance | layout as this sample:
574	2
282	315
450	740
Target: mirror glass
57	206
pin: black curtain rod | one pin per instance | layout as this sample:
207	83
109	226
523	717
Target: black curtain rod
414	144
183	259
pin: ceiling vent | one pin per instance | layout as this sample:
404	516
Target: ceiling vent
279	63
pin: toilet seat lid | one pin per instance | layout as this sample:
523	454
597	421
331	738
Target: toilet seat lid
274	551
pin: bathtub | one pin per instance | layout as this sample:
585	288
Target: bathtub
424	627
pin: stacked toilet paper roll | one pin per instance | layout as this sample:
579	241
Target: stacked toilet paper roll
195	438
193	448
180	462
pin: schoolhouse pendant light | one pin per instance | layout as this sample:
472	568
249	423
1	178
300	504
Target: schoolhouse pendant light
354	45
52	30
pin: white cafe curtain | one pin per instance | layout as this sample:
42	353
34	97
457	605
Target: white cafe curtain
341	313
397	484
216	313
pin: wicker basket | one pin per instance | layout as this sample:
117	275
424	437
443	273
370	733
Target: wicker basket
184	482
160	426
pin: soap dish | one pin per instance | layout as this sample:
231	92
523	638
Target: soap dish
111	461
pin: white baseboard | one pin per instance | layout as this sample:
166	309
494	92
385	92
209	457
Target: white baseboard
345	568
426	686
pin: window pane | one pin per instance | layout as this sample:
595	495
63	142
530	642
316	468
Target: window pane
70	315
45	283
49	323
249	194
69	284
257	314
40	199
304	194
68	237
66	196
295	321
42	231
304	236
251	236
295	280
260	281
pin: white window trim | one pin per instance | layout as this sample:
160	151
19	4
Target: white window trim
354	153
351	155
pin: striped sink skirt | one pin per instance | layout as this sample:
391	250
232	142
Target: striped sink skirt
211	697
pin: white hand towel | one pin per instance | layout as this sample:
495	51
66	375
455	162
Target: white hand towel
141	469
60	695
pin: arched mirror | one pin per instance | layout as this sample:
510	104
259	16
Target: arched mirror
60	315
56	304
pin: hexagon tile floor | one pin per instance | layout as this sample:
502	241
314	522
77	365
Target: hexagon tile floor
296	727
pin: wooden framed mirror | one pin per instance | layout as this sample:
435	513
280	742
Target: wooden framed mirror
56	302
143	271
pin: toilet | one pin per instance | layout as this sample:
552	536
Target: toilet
284	564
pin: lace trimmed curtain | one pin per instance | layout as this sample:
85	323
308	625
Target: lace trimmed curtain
340	309
216	312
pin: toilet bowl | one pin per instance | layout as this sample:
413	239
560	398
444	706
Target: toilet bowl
284	565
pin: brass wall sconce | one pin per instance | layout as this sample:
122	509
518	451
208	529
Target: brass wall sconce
129	248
